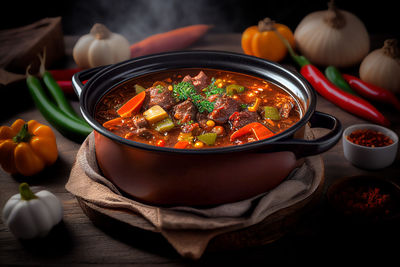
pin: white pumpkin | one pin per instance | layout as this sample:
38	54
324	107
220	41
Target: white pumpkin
30	215
100	47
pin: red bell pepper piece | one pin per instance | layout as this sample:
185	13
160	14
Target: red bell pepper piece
259	130
182	144
371	91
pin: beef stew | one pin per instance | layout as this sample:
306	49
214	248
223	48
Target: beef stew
197	108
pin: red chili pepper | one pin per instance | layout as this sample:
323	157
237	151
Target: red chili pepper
66	86
371	91
64	74
328	90
346	101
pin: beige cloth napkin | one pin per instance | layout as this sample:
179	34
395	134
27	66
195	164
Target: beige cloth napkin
187	229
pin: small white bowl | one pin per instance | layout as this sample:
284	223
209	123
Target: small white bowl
371	158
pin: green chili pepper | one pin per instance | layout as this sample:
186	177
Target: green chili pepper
234	89
72	128
271	113
335	77
59	97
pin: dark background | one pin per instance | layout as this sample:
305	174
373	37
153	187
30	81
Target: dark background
137	19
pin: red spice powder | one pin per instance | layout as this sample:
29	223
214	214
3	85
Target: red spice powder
370	138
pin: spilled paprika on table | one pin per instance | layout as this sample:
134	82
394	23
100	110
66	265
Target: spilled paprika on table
364	200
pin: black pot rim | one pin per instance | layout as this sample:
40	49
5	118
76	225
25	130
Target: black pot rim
252	146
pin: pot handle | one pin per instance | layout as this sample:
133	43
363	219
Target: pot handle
303	148
79	78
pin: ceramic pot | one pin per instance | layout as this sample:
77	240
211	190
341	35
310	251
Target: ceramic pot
169	176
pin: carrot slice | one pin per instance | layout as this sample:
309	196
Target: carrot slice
113	122
182	144
132	106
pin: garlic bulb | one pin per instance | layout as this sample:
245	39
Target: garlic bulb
332	37
381	67
100	47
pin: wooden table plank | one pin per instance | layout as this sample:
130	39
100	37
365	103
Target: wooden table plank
77	241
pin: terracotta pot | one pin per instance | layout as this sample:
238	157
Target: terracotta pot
168	176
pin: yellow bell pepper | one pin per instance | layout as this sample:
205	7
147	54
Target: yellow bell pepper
255	106
27	148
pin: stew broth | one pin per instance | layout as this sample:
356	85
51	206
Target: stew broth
197	108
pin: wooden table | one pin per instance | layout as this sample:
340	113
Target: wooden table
318	237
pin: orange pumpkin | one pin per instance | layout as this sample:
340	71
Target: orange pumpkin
263	41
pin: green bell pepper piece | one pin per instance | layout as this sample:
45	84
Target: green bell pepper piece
271	113
208	138
234	89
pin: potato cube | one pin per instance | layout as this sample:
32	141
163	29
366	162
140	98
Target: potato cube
155	114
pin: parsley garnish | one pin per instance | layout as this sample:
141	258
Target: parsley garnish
212	89
160	88
185	90
244	106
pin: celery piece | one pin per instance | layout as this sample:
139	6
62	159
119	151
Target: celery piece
271	113
139	88
164	126
208	138
234	89
155	114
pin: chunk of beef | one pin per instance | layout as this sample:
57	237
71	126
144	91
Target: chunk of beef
284	104
286	107
185	111
139	121
139	127
224	107
200	81
242	118
143	132
202	119
213	98
159	95
191	128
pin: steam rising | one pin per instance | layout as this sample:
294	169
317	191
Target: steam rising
138	19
